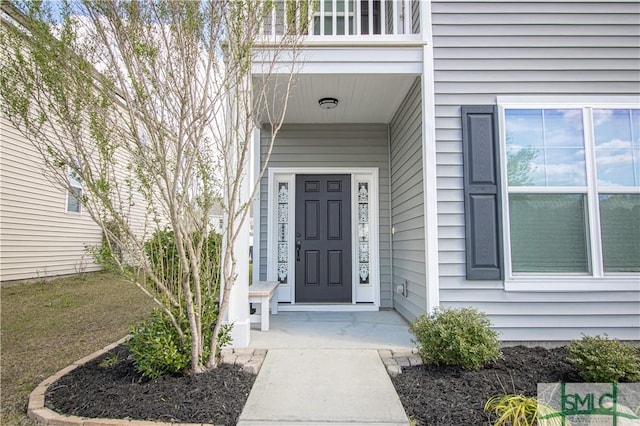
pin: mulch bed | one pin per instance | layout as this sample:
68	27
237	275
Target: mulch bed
449	396
118	391
430	395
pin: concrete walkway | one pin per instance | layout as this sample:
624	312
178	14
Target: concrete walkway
334	330
324	368
320	369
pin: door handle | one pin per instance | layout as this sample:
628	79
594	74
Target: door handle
298	247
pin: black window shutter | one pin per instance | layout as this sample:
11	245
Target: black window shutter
483	231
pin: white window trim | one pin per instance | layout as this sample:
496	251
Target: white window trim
595	280
367	293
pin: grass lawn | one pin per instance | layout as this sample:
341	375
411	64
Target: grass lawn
48	325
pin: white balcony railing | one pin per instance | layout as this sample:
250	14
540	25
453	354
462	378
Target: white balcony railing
344	17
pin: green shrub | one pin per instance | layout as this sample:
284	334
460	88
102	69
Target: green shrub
109	254
602	360
455	337
163	255
156	346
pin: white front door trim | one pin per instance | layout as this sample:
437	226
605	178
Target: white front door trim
364	296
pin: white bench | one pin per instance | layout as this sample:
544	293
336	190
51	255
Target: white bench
265	294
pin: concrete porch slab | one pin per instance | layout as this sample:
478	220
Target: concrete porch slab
310	386
334	330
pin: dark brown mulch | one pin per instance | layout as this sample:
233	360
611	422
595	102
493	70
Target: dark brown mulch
432	396
448	396
118	391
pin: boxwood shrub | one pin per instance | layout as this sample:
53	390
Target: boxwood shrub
455	337
603	360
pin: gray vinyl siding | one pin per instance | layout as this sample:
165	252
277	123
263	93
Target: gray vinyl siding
487	49
341	145
407	204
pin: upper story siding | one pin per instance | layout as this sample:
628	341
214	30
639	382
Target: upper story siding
487	49
484	49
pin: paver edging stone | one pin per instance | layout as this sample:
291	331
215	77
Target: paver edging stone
37	411
394	360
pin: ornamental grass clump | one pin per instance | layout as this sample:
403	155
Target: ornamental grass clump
603	360
521	410
455	337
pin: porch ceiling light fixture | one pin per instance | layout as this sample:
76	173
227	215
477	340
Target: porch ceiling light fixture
328	103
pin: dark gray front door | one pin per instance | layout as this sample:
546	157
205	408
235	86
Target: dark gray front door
323	238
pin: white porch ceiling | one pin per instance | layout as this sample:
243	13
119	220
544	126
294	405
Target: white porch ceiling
363	98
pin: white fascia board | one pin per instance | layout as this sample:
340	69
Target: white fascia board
346	60
409	68
412	68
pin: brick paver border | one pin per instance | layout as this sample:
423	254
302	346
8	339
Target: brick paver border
394	360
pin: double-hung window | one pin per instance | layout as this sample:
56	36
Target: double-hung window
571	203
74	193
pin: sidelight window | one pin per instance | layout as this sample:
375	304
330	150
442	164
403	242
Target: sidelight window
363	232
283	231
